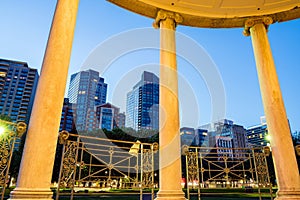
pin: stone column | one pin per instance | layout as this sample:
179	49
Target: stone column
286	168
38	156
169	134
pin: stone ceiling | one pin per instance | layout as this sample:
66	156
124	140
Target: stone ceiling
216	13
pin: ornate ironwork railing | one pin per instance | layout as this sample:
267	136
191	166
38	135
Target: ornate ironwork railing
8	134
98	164
227	168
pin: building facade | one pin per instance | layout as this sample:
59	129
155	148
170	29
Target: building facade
187	136
109	117
87	90
258	135
226	128
67	122
18	85
120	120
225	134
142	106
193	137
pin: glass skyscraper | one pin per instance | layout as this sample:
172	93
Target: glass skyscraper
87	90
142	106
18	85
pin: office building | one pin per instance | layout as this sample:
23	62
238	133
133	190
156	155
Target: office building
225	134
193	137
87	90
226	128
109	117
142	106
258	135
67	117
187	136
201	138
18	85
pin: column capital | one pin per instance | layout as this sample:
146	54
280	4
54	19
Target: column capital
249	23
163	15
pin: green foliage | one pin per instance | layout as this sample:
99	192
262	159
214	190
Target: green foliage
124	134
5	118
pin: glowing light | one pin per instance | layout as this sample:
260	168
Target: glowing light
268	137
2	130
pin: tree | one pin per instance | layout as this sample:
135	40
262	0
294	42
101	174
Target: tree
5	118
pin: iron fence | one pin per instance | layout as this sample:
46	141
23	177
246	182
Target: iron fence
9	132
95	164
227	168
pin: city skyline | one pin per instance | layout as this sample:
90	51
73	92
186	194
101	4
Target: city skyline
229	50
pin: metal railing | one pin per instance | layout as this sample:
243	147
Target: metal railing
96	164
8	134
227	168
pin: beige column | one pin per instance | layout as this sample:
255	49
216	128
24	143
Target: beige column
38	157
169	135
286	168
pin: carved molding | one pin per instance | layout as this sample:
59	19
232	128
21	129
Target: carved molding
163	15
63	136
249	23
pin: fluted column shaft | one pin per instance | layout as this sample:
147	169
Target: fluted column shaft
38	156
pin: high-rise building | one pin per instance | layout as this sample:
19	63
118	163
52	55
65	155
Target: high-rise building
67	117
226	128
18	85
142	106
193	137
258	135
225	134
187	136
109	117
201	137
87	90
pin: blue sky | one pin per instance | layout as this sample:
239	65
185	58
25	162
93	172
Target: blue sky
24	31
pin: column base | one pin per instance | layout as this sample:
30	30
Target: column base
32	193
170	195
286	195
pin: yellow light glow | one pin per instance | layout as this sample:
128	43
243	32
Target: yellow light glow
268	137
2	130
2	74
